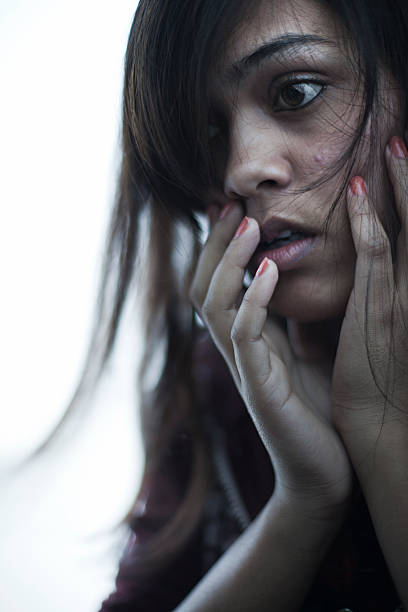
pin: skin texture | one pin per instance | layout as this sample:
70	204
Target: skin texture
274	155
317	405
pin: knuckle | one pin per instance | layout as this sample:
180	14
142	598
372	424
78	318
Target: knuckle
399	168
208	309
238	335
193	295
377	248
248	300
377	244
196	295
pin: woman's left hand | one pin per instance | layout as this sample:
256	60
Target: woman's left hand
370	382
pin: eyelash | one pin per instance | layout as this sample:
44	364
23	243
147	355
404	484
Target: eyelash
214	125
277	107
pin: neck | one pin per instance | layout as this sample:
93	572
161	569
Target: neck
315	341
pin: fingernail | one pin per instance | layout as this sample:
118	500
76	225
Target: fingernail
358	186
242	227
398	148
226	210
264	264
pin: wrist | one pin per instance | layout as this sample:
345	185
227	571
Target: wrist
320	511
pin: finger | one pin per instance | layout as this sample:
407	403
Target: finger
252	352
226	287
374	275
396	155
265	384
227	280
213	250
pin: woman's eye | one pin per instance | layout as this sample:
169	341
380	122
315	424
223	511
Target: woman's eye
297	95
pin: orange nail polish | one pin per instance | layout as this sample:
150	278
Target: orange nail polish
398	148
242	227
264	264
358	186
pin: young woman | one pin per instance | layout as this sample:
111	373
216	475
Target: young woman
276	432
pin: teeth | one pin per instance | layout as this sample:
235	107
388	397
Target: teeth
282	239
284	234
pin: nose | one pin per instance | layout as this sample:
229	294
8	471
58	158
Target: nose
258	160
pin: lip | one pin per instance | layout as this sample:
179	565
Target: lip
286	257
272	227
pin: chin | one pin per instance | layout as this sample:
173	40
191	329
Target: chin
307	301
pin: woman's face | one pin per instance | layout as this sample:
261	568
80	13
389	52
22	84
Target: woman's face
290	94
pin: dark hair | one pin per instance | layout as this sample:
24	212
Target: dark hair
166	169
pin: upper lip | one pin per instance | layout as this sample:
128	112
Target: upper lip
271	228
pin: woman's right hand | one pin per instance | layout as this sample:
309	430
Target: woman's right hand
287	397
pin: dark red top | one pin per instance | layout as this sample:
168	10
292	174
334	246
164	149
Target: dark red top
354	575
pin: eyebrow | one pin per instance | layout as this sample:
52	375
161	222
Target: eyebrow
240	69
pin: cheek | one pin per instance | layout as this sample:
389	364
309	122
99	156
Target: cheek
324	157
318	160
317	166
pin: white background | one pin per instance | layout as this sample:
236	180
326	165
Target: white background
61	66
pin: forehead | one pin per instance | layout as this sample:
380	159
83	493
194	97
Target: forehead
278	27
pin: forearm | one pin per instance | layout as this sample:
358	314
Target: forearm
271	566
381	465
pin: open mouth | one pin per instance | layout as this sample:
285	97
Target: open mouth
286	249
283	239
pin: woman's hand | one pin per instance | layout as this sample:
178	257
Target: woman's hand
370	377
288	399
370	382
